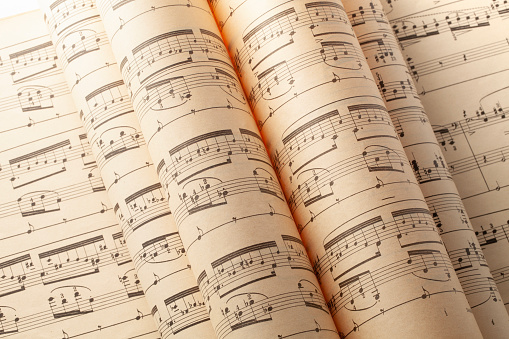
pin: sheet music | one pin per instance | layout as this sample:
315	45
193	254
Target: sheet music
365	223
457	53
130	177
398	90
65	271
236	228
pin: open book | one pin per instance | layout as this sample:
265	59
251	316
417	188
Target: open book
255	169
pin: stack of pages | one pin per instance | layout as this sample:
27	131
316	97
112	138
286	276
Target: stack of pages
248	169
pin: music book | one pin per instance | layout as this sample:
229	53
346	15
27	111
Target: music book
255	169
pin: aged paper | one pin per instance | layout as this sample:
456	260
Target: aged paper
457	53
65	271
231	213
129	175
414	129
365	223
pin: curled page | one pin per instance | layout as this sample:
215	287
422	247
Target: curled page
398	90
381	263
65	271
129	175
231	213
457	52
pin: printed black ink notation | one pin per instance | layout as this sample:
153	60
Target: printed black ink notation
371	121
396	90
120	254
318	136
78	43
72	304
406	115
34	98
361	15
464	259
477	161
408	227
253	146
200	154
485	285
106	104
491	234
458	59
14	274
37	123
170	92
411	29
317	183
164	323
436	219
234	6
131	284
45	162
251	264
175	91
115	141
380	46
9	323
143	207
316	329
467	262
65	263
445	137
501	275
363	238
264	40
32	63
181	45
445	202
471	124
162	123
247	309
40	164
46	201
208	151
86	152
70	301
161	249
38	202
203	193
186	309
501	6
432	172
296	252
34	227
278	80
120	321
64	14
145	9
71	261
338	54
160	323
263	213
360	291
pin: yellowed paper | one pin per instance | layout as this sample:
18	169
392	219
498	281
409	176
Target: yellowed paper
65	271
128	172
231	213
397	88
382	265
457	53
